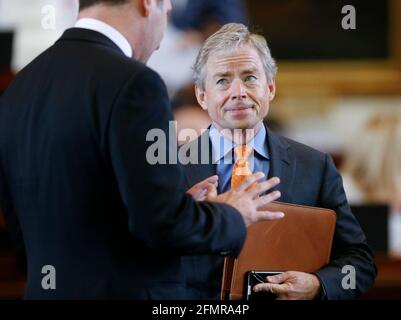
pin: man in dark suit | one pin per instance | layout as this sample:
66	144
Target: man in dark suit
96	218
234	76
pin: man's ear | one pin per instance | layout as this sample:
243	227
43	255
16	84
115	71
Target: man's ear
271	86
201	97
144	7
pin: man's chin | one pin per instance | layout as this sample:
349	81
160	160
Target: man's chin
242	125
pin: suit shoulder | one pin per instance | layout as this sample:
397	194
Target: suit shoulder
122	67
147	84
106	64
304	151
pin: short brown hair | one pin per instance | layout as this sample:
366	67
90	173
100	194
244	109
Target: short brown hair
88	3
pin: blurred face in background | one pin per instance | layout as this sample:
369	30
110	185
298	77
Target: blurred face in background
236	92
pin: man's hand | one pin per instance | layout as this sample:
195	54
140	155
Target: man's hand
200	190
247	198
292	285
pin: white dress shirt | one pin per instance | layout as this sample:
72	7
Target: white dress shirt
108	31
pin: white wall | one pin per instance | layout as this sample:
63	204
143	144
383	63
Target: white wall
26	18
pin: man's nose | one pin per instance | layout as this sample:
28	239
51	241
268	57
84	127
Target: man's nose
238	90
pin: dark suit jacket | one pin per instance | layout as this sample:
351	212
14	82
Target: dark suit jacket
77	189
308	177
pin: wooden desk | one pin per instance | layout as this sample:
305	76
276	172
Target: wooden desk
388	281
12	283
6	77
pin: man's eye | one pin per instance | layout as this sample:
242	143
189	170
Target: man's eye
250	78
222	81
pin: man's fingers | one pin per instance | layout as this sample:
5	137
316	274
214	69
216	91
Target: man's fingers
211	191
268	198
259	188
249	180
200	195
205	183
272	287
212	179
278	278
269	215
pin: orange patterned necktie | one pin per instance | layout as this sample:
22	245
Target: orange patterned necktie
241	166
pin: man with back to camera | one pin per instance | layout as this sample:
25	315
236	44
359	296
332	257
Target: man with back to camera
75	185
235	82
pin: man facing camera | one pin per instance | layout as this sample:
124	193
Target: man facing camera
234	82
77	189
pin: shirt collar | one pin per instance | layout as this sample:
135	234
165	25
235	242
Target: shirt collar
108	31
221	145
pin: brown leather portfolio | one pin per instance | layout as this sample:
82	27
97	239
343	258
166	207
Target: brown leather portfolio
301	241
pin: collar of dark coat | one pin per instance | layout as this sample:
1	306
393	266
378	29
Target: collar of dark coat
81	34
282	162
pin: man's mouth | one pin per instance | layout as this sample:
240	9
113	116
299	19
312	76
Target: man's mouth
239	110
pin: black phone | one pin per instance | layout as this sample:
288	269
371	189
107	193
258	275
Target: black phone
254	277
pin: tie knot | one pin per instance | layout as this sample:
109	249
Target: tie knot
241	166
242	152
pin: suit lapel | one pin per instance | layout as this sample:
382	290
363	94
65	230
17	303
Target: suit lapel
282	164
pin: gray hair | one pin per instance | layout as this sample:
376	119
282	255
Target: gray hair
230	37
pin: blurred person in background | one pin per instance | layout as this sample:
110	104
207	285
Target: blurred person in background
188	114
192	21
372	171
199	19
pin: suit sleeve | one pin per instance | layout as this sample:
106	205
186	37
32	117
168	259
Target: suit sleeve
159	211
10	216
6	206
349	244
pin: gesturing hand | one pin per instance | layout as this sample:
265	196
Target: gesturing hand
199	191
247	198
